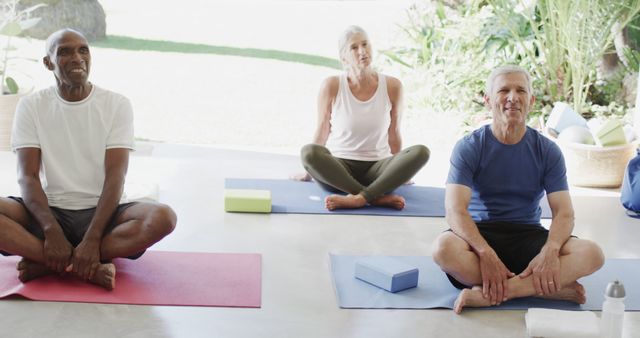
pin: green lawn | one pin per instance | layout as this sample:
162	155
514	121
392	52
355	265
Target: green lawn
129	43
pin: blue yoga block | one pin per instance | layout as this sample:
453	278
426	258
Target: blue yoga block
387	273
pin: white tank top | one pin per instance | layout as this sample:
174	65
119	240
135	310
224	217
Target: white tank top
360	129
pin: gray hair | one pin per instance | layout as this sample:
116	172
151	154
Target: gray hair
507	69
53	38
343	43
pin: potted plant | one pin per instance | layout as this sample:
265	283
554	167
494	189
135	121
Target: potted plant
14	22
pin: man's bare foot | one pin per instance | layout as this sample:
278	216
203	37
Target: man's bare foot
573	292
473	297
390	201
28	270
333	202
470	298
105	276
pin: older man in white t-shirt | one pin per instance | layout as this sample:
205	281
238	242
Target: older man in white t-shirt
73	142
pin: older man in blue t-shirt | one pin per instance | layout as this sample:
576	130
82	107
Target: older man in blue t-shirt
496	248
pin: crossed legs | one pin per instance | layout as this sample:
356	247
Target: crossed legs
578	258
363	181
138	227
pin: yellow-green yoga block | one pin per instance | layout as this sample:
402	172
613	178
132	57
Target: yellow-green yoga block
247	200
611	134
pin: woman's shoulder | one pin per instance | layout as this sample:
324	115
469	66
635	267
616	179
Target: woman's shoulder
394	87
331	81
330	85
392	82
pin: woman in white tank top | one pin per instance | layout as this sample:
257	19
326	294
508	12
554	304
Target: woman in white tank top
357	148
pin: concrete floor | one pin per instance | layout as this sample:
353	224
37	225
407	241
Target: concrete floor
298	299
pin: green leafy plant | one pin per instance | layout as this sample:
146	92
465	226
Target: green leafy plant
500	46
14	22
633	59
450	50
443	62
570	38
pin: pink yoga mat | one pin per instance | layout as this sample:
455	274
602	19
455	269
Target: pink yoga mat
156	278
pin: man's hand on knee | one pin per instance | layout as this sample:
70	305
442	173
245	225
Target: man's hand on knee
57	251
495	276
545	272
86	259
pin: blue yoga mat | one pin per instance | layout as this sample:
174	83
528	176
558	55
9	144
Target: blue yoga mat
288	196
435	291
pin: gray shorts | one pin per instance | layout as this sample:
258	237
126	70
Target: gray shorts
74	223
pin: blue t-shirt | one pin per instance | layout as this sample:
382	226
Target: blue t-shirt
507	181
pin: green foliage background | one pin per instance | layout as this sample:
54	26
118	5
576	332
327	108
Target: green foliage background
450	49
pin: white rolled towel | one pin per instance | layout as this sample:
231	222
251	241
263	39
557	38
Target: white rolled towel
561	324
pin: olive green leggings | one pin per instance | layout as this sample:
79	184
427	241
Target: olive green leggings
372	179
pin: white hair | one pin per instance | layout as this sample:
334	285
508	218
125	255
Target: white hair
53	38
507	69
345	38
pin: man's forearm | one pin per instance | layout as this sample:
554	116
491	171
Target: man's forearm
559	232
37	203
463	225
107	204
562	221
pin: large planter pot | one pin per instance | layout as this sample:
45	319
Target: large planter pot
594	166
7	111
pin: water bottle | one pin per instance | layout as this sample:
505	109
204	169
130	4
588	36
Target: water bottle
613	311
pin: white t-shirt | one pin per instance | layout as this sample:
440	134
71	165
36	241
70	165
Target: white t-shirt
360	129
73	138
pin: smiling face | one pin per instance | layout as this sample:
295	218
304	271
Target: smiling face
69	59
510	99
358	51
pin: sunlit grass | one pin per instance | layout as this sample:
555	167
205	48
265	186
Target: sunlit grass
129	43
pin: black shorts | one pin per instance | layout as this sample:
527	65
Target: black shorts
74	223
515	244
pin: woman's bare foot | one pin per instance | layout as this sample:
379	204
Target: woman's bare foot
28	270
333	202
573	292
470	298
300	177
389	201
105	276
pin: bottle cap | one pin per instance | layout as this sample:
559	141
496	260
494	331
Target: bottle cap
615	290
